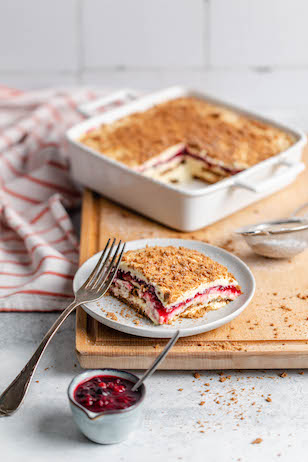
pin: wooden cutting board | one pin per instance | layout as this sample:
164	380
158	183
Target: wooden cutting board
271	333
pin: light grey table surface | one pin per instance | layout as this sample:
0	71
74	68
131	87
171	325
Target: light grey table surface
229	421
176	427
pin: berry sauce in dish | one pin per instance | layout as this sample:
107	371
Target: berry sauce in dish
106	393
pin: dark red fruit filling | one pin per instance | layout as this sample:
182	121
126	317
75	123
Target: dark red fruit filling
106	393
129	278
219	289
149	293
186	152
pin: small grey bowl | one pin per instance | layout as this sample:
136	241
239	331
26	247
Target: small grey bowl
282	238
110	426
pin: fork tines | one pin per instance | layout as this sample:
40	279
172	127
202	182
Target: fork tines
106	267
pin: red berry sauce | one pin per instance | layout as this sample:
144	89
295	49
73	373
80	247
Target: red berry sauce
106	393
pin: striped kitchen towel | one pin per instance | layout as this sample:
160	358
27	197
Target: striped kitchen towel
38	247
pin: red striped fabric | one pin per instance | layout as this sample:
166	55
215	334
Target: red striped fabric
38	247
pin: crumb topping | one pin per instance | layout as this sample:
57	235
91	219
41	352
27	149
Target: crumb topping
211	130
175	270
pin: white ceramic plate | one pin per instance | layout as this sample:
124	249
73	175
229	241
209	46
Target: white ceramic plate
127	319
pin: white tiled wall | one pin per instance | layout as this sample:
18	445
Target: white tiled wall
258	33
143	34
38	35
254	52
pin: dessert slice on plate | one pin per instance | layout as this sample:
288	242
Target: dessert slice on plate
164	283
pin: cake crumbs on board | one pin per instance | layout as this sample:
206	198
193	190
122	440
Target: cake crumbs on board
112	316
257	441
283	375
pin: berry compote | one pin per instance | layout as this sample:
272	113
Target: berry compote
106	393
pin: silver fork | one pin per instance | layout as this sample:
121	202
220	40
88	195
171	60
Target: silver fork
94	288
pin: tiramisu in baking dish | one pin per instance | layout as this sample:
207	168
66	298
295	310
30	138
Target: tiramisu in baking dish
164	283
186	138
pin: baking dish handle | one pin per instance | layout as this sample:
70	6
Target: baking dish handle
293	170
108	102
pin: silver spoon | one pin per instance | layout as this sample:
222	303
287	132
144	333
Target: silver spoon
157	361
282	238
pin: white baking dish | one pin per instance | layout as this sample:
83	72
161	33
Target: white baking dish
185	208
107	103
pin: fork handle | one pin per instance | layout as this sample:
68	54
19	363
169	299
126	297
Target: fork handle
12	397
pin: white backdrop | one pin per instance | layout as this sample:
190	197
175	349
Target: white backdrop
253	52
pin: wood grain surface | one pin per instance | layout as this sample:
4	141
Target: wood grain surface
271	333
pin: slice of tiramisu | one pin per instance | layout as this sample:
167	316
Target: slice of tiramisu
166	282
